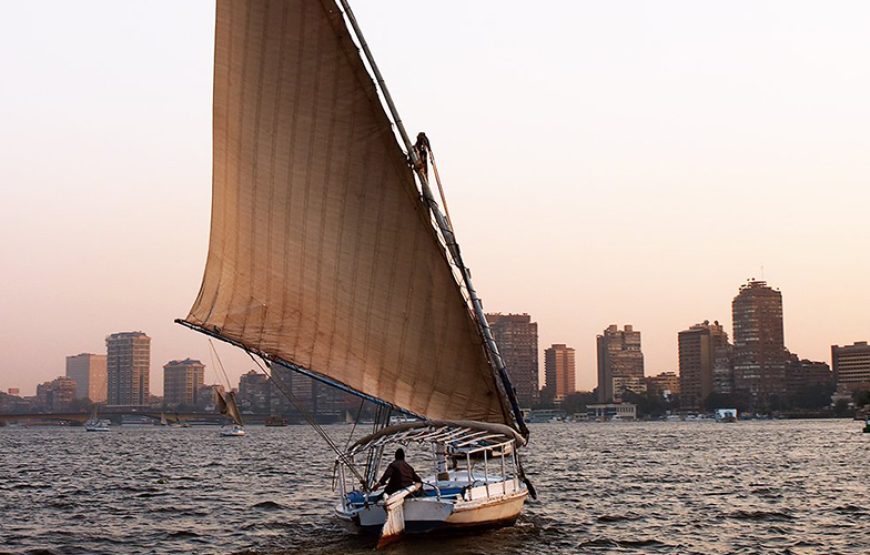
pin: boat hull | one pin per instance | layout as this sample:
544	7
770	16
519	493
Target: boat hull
424	515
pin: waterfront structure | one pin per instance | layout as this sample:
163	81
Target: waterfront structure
89	372
803	374
699	348
612	411
182	380
665	383
517	339
56	394
620	362
759	350
851	366
254	392
560	370
128	368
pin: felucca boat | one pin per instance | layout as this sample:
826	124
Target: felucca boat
330	257
96	424
226	405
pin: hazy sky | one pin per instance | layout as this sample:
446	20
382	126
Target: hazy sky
605	162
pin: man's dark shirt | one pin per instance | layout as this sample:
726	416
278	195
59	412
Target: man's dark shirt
399	475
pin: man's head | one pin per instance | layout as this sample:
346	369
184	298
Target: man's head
400	454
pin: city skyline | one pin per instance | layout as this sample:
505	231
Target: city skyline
157	380
558	183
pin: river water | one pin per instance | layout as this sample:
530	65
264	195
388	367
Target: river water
683	487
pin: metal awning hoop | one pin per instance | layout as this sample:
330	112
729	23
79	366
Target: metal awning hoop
471	438
462	433
484	438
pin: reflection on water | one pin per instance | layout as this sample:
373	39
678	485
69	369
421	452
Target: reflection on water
783	487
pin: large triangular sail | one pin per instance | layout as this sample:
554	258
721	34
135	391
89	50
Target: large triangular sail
322	253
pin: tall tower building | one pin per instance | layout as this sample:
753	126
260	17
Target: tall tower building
759	349
89	373
517	339
182	380
560	372
701	350
851	365
129	368
620	362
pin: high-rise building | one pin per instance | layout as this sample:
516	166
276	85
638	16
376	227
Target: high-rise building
803	374
699	346
56	394
620	363
560	372
182	380
89	373
129	368
759	350
517	339
851	365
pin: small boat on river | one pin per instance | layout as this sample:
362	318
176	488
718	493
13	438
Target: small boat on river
226	405
96	424
276	422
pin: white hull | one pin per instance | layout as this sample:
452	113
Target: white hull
488	511
93	425
234	431
424	514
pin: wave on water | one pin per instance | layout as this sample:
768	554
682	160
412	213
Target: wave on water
851	510
619	517
268	506
183	534
623	544
760	515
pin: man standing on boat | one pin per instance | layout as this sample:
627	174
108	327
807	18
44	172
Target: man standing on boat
398	475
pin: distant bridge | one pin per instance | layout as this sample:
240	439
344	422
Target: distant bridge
115	414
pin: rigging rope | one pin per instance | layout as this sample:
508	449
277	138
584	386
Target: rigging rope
355	421
214	354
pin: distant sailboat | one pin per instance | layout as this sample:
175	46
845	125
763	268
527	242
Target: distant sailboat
95	424
226	405
329	256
